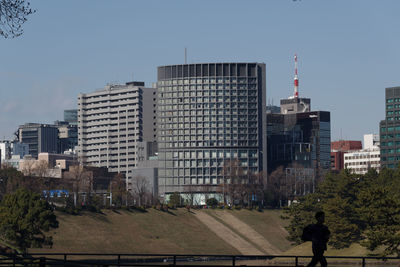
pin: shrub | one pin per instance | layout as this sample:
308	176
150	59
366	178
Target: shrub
175	200
212	202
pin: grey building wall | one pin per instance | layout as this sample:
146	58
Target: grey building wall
111	123
295	105
149	170
209	114
149	114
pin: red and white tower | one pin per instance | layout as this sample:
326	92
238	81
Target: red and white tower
296	78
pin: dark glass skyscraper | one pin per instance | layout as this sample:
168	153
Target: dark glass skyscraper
209	114
299	140
390	129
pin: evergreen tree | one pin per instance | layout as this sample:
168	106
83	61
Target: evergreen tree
24	218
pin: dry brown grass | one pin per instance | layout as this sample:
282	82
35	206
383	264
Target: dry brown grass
135	232
267	223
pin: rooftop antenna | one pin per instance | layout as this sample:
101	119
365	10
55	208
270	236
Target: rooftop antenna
185	55
296	78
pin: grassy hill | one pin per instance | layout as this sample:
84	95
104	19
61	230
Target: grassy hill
177	231
181	232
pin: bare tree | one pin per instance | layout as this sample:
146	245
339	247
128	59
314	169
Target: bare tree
234	189
190	193
40	168
141	187
6	165
255	187
276	187
28	167
13	13
118	189
82	180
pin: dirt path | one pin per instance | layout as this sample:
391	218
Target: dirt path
228	235
248	232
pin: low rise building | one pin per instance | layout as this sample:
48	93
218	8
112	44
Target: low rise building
339	148
362	160
147	168
47	165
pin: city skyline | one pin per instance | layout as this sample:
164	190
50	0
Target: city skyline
346	50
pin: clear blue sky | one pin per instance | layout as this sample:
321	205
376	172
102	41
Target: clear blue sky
348	52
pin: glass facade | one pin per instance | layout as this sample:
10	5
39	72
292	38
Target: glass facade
208	114
71	116
390	129
299	139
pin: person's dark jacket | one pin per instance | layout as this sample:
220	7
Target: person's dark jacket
318	234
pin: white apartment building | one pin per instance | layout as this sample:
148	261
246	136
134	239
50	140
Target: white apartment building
112	121
360	161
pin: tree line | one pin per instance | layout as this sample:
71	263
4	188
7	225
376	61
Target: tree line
362	209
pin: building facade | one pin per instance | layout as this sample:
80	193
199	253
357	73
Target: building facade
71	116
67	136
8	149
39	137
371	141
360	162
338	149
147	168
111	122
390	129
299	140
209	114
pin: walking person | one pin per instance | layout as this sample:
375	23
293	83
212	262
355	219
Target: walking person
319	235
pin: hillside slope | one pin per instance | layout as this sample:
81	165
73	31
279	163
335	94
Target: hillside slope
177	231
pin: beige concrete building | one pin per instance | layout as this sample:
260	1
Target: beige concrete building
47	165
112	121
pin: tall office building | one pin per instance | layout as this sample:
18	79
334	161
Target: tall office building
209	114
39	137
299	140
390	129
111	122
